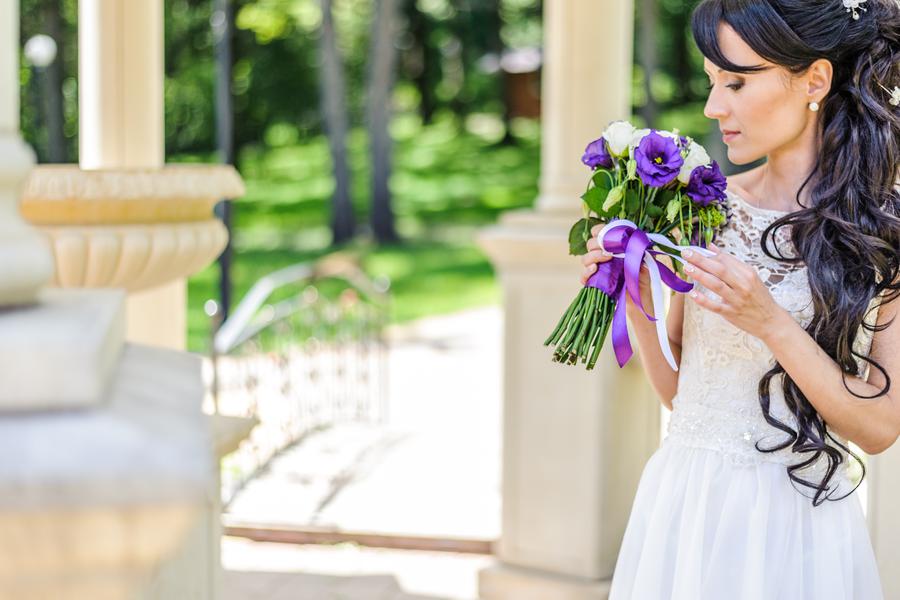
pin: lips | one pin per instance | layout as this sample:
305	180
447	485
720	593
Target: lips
729	131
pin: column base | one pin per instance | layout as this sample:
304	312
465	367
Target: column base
504	582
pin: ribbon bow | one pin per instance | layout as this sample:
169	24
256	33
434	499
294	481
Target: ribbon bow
630	247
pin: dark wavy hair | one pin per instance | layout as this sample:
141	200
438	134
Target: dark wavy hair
849	234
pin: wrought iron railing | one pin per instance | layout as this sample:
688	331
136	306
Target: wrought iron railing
303	350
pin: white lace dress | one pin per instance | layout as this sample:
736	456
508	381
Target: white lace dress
715	519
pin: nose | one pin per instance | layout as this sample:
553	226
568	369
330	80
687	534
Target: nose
715	108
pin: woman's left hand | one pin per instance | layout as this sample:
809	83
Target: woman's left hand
745	300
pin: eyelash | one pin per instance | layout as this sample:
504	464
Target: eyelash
734	86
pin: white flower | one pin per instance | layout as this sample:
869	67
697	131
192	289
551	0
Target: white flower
697	157
895	96
618	135
640	134
854	5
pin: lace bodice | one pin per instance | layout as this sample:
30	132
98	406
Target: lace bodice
716	405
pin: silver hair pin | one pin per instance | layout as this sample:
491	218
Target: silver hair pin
895	94
853	6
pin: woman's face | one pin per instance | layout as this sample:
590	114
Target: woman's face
768	108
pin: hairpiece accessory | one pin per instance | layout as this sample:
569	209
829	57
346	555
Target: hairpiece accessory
853	5
814	106
895	94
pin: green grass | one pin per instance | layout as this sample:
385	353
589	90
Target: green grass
448	182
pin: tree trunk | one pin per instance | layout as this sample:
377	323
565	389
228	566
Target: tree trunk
426	61
223	28
343	222
378	110
682	66
52	86
647	57
492	26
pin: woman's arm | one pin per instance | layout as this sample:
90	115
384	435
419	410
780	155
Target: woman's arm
663	379
873	424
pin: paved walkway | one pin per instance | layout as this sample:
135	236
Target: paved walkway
432	470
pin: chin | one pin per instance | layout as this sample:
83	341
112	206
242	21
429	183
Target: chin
740	157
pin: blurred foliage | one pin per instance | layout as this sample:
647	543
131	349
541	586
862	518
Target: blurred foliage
443	45
447	184
452	173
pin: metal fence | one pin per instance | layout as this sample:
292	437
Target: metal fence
304	349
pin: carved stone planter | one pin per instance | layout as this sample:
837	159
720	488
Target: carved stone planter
131	229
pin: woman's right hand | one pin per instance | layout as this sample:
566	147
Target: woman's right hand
595	255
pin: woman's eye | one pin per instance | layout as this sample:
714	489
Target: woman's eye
733	86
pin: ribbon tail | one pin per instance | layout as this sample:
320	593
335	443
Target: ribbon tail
672	280
656	294
621	343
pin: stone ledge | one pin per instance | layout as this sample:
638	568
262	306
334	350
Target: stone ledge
504	582
67	195
148	442
61	352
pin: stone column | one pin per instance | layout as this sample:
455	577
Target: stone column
120	70
574	441
108	453
883	478
25	259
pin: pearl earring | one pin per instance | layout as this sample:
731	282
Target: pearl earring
814	106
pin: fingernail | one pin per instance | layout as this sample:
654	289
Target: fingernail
693	294
688	253
689	268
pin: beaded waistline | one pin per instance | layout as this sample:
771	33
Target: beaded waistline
733	432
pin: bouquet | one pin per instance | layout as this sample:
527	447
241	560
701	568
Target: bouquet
645	185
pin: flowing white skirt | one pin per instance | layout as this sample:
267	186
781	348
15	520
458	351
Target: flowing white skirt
702	528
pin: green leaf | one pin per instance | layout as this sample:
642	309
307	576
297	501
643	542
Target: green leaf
632	202
663	197
580	234
595	197
654	211
603	179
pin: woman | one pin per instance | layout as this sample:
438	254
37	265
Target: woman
785	345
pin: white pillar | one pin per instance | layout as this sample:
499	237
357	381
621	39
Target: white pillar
574	441
121	73
120	84
25	260
883	478
586	82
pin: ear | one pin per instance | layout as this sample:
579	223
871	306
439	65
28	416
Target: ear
818	79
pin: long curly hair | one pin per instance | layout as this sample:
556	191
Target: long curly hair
848	236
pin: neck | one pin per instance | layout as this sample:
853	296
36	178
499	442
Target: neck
785	170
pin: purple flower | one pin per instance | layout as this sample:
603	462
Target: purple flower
707	184
596	155
658	159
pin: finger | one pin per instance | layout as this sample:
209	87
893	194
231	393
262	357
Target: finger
710	281
595	256
596	229
706	302
739	275
711	264
592	244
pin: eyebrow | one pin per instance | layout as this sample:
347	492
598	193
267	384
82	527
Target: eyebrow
718	70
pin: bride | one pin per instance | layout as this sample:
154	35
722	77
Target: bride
786	347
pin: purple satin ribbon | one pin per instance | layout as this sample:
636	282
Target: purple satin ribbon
620	276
